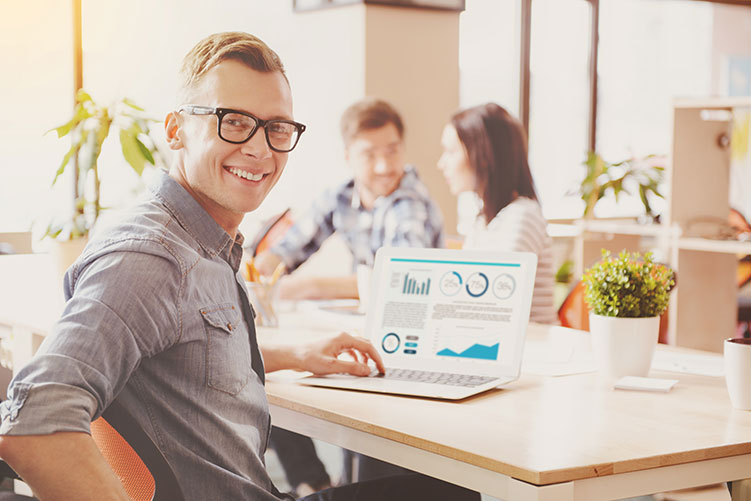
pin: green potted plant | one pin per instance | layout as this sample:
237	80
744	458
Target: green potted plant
626	296
89	127
604	177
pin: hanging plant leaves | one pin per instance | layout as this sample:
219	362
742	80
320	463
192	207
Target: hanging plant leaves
145	151
131	151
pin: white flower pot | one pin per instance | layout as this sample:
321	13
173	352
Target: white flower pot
623	346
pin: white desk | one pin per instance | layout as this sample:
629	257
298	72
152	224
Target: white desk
541	438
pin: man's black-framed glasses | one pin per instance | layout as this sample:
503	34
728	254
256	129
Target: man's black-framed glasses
238	127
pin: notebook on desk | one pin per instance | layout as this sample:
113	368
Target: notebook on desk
448	323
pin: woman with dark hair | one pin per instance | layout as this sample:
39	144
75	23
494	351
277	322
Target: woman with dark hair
485	151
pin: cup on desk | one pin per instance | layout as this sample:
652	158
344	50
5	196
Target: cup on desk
263	298
738	372
363	285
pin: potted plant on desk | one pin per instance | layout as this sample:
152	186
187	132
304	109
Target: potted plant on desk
626	295
88	129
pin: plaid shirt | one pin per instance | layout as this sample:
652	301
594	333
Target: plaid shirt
407	217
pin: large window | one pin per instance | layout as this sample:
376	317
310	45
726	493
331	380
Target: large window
489	53
559	101
650	52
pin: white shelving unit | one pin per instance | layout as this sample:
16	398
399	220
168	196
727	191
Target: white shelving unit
703	307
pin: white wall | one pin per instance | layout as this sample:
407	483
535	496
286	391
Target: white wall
134	49
36	87
731	37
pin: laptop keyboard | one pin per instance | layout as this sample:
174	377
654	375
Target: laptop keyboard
434	377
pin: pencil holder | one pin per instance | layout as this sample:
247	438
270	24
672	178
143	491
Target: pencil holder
263	298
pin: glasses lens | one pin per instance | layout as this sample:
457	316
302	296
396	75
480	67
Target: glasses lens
282	135
237	127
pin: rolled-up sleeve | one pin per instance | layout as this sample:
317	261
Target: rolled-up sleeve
122	310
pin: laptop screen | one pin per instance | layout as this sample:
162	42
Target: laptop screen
451	310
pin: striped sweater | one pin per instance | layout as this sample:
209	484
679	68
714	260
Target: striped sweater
520	226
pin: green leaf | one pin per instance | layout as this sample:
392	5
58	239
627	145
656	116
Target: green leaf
145	151
92	149
131	151
82	96
133	105
65	129
79	115
73	149
643	197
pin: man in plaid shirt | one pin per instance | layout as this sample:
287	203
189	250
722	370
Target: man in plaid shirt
385	204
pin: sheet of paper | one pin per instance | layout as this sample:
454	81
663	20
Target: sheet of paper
644	384
556	357
689	363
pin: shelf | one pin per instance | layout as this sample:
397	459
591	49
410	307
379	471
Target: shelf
609	226
713	102
622	227
709	245
559	230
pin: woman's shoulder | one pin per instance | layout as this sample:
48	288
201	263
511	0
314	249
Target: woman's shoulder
523	210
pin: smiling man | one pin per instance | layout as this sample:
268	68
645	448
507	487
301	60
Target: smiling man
158	318
384	204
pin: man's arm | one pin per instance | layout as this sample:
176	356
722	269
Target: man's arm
304	237
82	365
322	357
312	287
62	466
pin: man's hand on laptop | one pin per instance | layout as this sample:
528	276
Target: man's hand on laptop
322	357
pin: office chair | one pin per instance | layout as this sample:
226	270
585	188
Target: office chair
573	312
271	232
138	463
741	230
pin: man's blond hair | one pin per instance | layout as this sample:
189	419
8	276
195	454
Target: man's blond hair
230	45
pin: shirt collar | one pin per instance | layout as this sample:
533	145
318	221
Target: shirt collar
194	219
356	202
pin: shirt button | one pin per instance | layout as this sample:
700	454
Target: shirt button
229	326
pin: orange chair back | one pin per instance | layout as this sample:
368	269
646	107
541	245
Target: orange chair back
573	312
132	472
275	232
743	272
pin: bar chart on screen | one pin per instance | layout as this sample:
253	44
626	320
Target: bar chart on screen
412	286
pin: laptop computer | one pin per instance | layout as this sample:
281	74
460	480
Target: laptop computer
448	323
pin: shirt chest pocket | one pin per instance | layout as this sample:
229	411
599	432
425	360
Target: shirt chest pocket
228	362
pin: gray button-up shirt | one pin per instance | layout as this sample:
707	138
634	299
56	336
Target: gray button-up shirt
157	317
